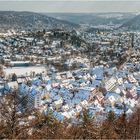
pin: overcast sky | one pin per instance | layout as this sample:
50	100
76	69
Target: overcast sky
73	6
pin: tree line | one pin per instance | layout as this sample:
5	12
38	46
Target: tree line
17	121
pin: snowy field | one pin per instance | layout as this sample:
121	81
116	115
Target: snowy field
24	70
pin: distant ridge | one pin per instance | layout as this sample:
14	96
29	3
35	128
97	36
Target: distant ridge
31	21
94	19
132	24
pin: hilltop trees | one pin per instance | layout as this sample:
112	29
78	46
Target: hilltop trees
88	128
121	127
134	125
45	126
16	121
11	117
108	127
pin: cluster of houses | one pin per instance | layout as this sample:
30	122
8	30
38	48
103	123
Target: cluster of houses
60	48
96	82
28	50
100	89
113	47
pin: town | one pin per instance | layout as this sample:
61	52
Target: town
67	71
